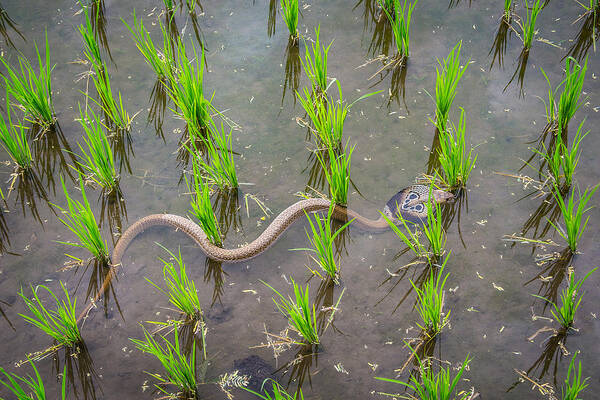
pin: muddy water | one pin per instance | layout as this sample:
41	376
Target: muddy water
491	301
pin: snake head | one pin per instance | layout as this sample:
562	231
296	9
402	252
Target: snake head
441	196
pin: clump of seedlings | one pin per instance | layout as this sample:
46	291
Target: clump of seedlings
32	91
113	110
572	213
97	162
569	101
180	369
570	300
527	24
14	140
201	205
430	302
573	383
315	63
180	289
326	115
60	323
187	89
160	60
562	161
338	173
219	169
456	164
448	74
322	239
299	312
276	392
428	385
26	387
432	229
400	18
290	13
80	220
92	47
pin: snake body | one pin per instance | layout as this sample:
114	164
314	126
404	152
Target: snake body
409	203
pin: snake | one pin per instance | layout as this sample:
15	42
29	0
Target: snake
409	203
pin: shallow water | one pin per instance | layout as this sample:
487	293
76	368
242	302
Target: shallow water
246	70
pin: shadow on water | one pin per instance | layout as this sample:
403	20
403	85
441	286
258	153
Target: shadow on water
272	17
433	162
52	154
29	189
122	146
227	206
5	316
456	3
520	72
4	234
370	11
553	352
158	105
586	37
293	68
7	23
541	220
98	274
382	37
112	210
552	275
501	39
183	151
213	271
80	372
98	21
397	83
323	302
421	272
299	367
317	178
453	210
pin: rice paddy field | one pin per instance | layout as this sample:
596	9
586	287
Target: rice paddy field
121	130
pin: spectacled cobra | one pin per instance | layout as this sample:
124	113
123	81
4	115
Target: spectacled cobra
410	203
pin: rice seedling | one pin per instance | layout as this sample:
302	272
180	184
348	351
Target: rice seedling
400	18
32	91
115	111
552	158
570	157
322	240
315	63
220	167
448	74
299	312
573	383
430	301
427	385
98	161
276	392
290	16
61	323
550	106
201	205
92	48
456	164
187	91
180	371
160	60
28	388
434	231
180	289
568	102
80	220
328	116
338	173
570	300
528	23
572	213
14	140
410	238
507	10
